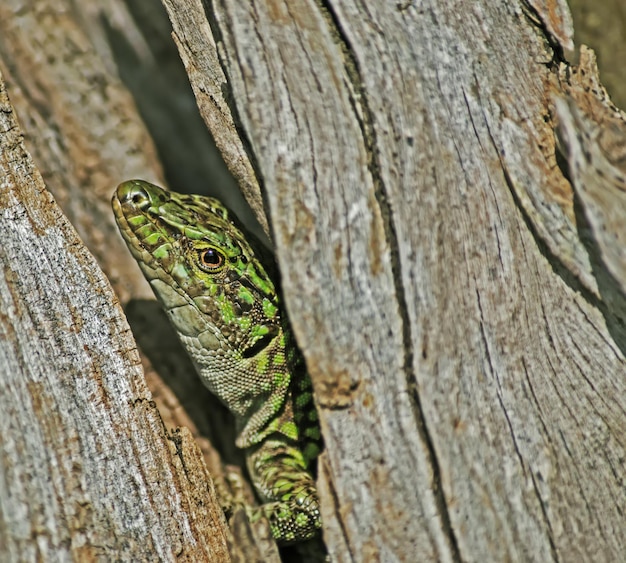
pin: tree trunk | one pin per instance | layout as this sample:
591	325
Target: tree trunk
454	276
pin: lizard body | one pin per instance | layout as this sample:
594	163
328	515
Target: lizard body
211	278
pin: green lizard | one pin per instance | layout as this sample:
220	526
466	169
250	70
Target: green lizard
210	278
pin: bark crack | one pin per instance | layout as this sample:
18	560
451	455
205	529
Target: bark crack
229	97
536	18
555	262
365	118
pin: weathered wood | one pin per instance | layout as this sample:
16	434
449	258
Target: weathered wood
80	125
83	128
459	305
593	141
88	469
469	376
192	30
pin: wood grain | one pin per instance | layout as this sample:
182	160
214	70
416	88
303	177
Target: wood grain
89	471
455	282
435	275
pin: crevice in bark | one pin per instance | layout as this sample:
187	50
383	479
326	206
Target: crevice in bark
158	342
536	20
158	83
613	303
229	97
366	123
555	263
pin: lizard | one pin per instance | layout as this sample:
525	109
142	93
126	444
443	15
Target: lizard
216	285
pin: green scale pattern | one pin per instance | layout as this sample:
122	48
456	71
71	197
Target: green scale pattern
212	280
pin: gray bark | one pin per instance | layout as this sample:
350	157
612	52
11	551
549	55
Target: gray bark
455	281
88	468
467	362
92	464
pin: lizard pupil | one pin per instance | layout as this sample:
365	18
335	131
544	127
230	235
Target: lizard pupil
211	258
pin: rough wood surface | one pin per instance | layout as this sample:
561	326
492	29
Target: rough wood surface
88	469
80	124
83	128
455	281
468	372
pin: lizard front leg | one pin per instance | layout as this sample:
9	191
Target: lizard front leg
280	475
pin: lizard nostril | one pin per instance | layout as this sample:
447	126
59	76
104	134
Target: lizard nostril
134	192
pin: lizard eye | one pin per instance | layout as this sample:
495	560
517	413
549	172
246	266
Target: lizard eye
211	259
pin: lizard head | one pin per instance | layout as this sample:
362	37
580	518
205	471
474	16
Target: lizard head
203	268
